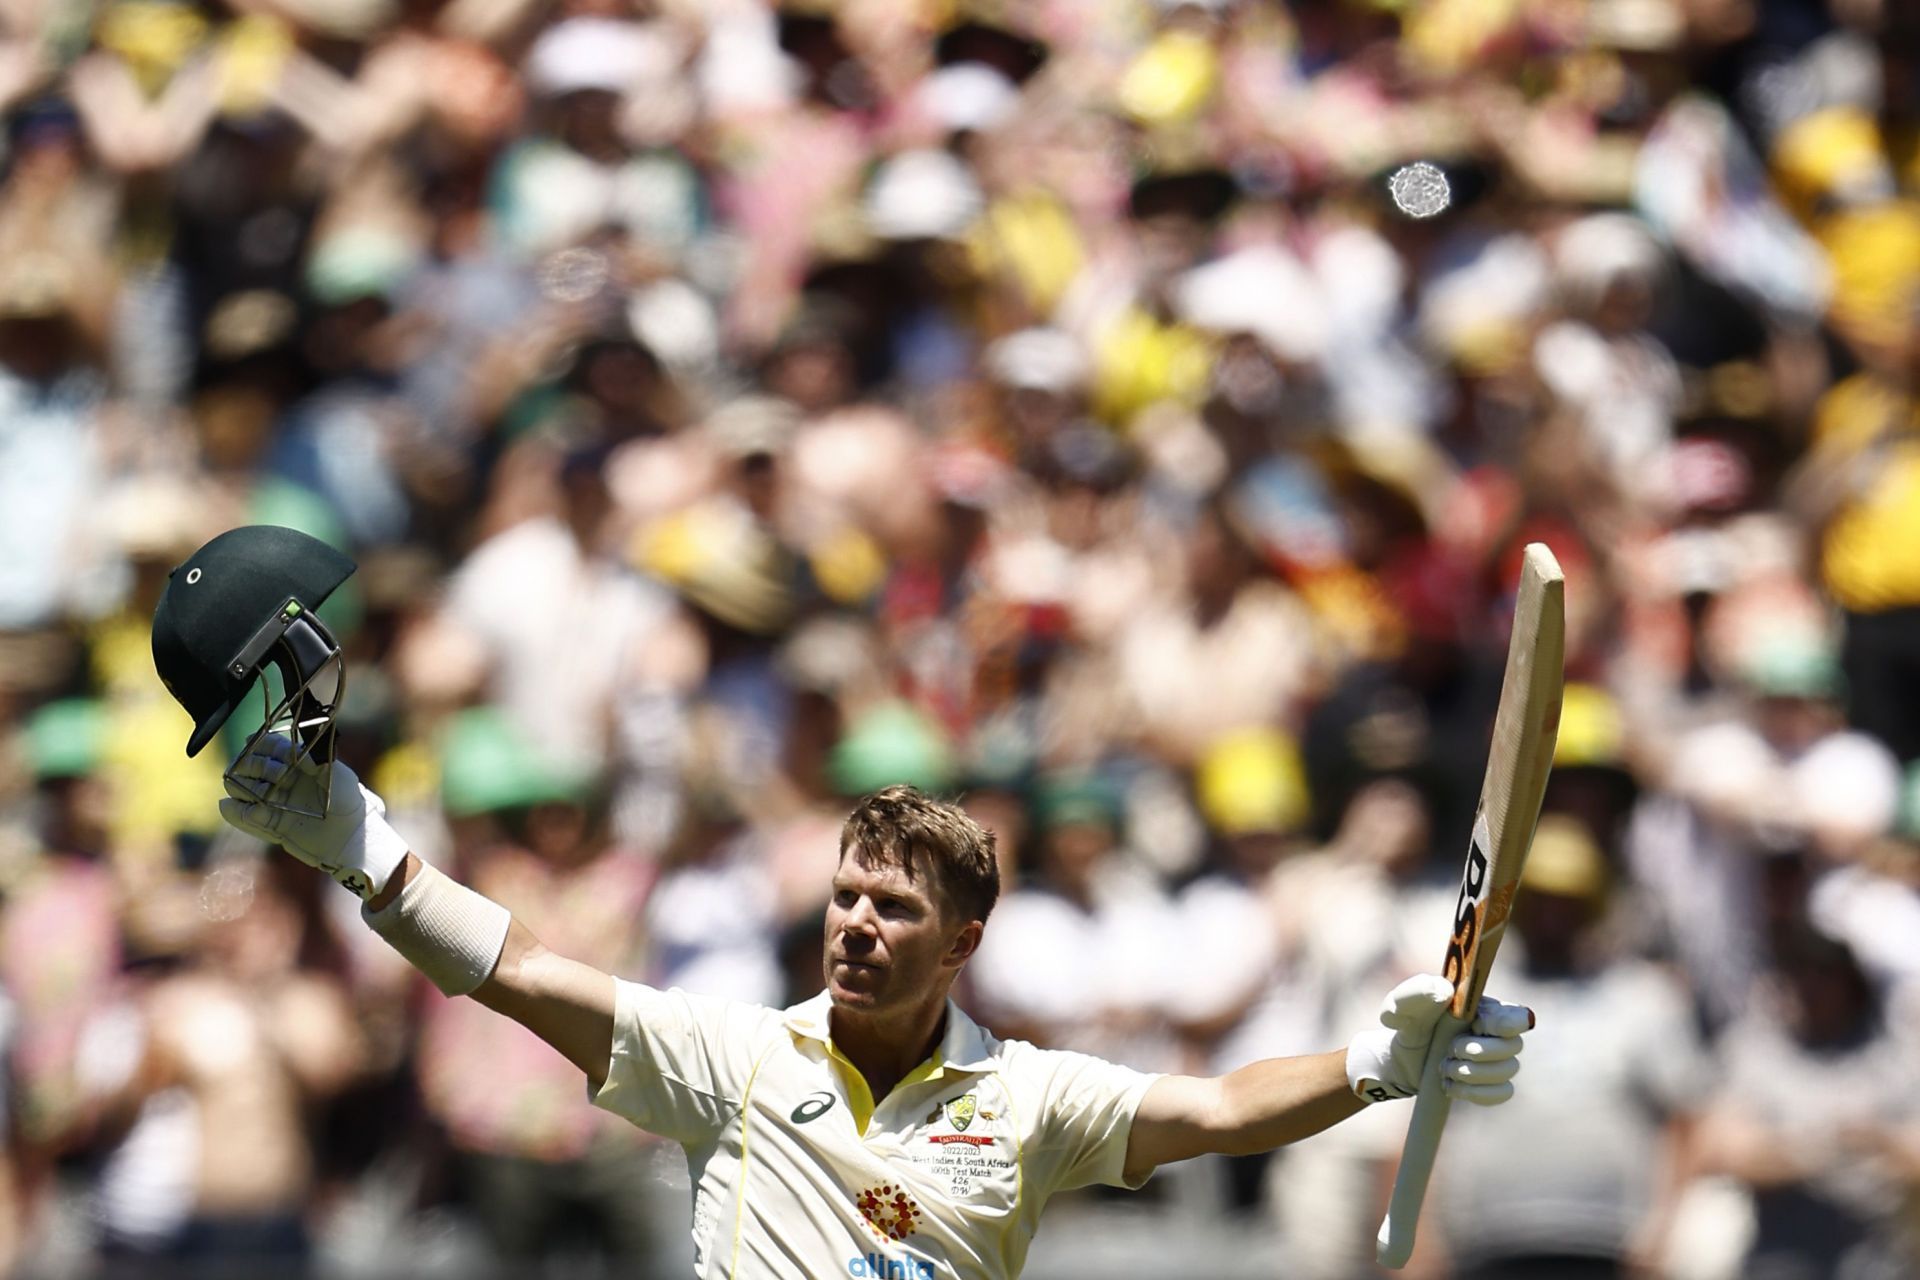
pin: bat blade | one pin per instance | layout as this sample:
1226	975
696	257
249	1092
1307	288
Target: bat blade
1524	731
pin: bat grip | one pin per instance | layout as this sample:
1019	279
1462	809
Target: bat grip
1394	1244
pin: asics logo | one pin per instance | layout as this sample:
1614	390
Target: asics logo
815	1106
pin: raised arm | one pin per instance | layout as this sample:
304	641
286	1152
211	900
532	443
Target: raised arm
1261	1106
465	943
564	1002
1274	1102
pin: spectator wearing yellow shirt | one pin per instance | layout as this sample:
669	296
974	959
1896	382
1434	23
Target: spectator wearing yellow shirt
1861	483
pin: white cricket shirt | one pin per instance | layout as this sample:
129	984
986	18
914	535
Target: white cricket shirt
798	1172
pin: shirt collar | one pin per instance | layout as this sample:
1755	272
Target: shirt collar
964	1047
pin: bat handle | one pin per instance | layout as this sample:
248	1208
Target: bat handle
1395	1243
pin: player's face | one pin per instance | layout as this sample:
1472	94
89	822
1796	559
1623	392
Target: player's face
888	943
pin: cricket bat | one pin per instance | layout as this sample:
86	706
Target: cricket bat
1524	729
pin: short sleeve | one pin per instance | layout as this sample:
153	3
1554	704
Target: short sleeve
1086	1120
681	1062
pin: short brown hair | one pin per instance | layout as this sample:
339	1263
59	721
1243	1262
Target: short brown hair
902	826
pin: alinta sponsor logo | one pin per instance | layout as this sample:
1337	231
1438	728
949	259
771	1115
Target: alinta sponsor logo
874	1266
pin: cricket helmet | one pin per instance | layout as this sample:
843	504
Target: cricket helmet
239	605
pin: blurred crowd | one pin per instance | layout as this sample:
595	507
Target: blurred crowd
733	409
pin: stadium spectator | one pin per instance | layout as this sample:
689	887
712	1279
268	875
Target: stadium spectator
1826	1168
1628	1110
1092	921
212	1070
544	1178
1351	913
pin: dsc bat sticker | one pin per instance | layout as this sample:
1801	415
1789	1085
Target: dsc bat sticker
1468	912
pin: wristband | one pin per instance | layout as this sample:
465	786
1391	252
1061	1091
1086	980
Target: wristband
443	929
1370	1067
377	851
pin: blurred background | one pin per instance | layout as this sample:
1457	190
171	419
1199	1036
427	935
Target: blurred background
734	409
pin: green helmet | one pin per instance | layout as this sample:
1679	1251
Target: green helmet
241	603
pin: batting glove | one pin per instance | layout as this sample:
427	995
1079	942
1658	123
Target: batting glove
1386	1062
352	843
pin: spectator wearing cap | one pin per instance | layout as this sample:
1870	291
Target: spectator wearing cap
833	667
1416	709
891	741
348	440
712	919
797	145
1100	930
1849	800
1880	890
1359	910
1075	549
731	557
155	797
1245	997
59	937
812	364
1229	648
539	1166
1599	359
1814	1116
563	622
1859	486
896	525
1248	1002
52	387
58	211
1624	1041
591	164
1144	350
1027	247
960	603
1739	785
1040	377
472	314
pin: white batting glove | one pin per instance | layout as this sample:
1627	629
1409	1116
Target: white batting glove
1385	1062
353	843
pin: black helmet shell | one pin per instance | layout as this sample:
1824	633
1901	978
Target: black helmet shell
219	599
